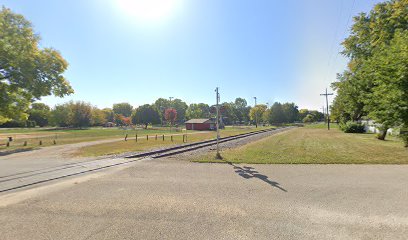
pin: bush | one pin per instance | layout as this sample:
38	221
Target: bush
352	127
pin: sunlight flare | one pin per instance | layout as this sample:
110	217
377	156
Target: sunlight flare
148	10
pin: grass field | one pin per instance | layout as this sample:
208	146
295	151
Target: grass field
143	144
314	144
67	136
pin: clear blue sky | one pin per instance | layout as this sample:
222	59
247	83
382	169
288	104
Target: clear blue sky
121	51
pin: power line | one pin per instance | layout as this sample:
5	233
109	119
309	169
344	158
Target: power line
332	64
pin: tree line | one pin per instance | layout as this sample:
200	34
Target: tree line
375	84
162	112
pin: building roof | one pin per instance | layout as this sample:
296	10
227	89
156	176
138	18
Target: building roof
200	120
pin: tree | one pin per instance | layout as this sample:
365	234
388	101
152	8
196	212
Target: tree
387	102
291	112
363	88
180	108
170	114
241	110
161	105
302	114
200	110
39	113
60	115
228	113
109	114
146	114
119	119
309	118
277	115
98	117
27	72
81	114
124	109
257	112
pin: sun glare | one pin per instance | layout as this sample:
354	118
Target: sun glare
148	10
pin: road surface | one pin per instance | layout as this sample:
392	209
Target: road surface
176	199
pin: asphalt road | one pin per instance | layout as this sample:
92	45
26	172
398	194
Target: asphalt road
168	199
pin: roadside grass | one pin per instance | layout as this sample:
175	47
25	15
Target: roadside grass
67	136
315	145
143	144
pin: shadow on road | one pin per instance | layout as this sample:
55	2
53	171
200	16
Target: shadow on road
5	153
250	172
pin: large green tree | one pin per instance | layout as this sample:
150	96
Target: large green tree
276	114
257	112
146	114
39	113
27	72
387	102
291	112
181	108
60	115
124	109
198	110
81	114
241	110
365	87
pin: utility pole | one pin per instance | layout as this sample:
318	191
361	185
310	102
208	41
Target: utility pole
324	112
327	107
218	156
256	115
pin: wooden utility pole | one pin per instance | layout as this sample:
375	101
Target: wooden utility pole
256	115
327	107
218	156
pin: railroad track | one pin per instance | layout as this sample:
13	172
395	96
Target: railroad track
30	178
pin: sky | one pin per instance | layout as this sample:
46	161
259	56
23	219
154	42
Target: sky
139	50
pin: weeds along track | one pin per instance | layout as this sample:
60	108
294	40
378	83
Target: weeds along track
38	176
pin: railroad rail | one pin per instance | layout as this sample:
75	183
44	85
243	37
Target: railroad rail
30	178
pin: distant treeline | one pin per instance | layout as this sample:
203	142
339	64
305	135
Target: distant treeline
163	112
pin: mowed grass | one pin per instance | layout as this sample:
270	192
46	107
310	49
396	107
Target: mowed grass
318	146
143	144
67	136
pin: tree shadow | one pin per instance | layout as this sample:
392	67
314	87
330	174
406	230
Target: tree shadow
250	172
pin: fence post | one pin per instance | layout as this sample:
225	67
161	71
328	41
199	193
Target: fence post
40	143
55	142
147	137
163	137
171	137
126	137
136	137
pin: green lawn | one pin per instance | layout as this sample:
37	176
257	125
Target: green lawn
67	136
143	144
314	144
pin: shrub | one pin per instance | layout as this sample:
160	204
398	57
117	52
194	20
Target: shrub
352	127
